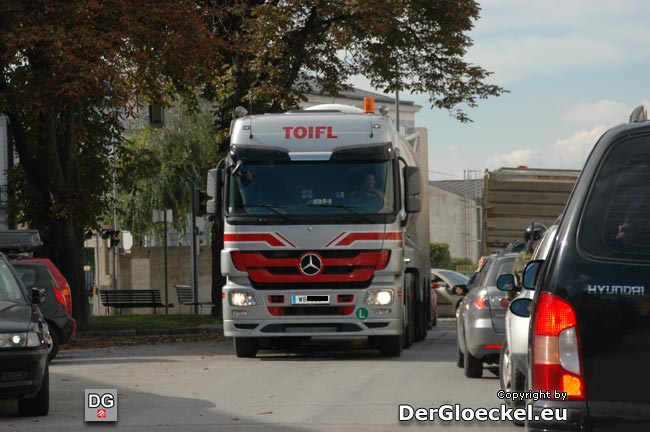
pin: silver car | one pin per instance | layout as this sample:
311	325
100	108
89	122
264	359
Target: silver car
480	318
443	282
514	353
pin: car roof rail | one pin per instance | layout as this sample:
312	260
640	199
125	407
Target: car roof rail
19	241
639	114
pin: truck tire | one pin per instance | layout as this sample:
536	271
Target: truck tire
409	330
473	366
38	405
390	346
245	347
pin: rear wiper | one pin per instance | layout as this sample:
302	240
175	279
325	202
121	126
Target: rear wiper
273	208
351	209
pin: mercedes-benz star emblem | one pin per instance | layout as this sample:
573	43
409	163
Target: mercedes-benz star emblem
310	264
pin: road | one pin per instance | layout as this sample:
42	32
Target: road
324	386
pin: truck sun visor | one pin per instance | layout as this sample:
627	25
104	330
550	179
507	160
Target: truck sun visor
248	154
370	153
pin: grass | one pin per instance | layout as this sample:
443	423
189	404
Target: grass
139	322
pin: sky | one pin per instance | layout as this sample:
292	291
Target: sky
573	69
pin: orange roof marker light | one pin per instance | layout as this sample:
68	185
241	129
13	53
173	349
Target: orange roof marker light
368	105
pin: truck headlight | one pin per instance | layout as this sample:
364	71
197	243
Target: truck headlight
240	299
379	297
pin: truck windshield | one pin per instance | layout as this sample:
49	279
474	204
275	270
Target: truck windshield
312	188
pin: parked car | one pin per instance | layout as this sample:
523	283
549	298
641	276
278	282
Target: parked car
514	353
590	325
443	282
480	318
60	280
24	344
62	325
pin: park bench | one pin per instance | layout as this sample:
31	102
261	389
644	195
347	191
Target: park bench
136	298
186	298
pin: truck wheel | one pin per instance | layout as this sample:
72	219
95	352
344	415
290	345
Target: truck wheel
39	405
473	366
390	346
245	347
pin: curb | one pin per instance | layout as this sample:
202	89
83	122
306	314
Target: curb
111	334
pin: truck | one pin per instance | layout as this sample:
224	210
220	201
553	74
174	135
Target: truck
326	231
513	198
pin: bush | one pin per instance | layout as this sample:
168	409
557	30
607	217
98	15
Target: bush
439	255
462	265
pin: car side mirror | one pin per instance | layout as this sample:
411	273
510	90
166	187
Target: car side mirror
460	290
530	273
38	295
506	282
521	307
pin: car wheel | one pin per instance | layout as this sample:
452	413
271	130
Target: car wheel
390	346
38	405
245	347
56	342
505	370
473	366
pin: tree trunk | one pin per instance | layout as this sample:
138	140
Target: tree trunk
63	243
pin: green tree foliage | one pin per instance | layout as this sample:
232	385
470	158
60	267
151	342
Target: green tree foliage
71	71
439	255
173	160
270	53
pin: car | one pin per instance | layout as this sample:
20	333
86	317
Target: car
60	280
514	353
480	318
25	344
35	274
443	282
590	319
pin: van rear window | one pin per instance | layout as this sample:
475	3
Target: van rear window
616	220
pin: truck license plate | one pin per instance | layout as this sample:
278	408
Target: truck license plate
310	299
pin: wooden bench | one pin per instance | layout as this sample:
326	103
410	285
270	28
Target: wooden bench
186	298
136	298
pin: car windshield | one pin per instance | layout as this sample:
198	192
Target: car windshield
312	188
455	278
10	290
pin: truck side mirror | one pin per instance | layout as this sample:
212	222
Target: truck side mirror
214	187
412	189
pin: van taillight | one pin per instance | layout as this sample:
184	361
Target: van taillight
238	260
59	296
556	348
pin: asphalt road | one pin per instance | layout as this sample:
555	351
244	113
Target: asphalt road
324	386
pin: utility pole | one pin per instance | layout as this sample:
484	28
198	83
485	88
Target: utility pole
194	266
165	254
116	225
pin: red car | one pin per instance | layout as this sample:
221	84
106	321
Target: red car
60	280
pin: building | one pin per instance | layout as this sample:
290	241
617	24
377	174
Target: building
455	216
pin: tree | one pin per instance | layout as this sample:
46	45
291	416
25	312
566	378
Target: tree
439	255
173	161
71	72
269	54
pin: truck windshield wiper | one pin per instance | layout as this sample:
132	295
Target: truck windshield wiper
272	208
350	209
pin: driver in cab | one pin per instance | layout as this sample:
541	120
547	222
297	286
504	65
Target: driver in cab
368	188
